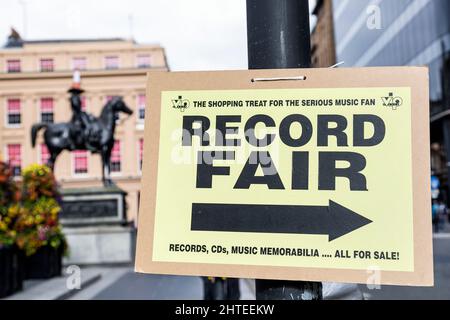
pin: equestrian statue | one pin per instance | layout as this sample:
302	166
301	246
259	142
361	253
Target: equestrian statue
84	131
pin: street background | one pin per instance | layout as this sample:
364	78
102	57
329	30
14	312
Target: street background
181	35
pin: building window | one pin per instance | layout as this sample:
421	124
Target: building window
144	61
13	112
112	62
79	63
115	157
45	154
80	160
141	106
13	66
14	152
47	65
141	152
47	110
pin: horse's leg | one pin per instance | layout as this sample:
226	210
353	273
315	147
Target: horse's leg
103	167
106	166
52	160
54	151
56	141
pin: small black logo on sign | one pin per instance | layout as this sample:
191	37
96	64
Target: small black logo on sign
392	101
180	103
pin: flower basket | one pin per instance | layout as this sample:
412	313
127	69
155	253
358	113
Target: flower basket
38	231
46	263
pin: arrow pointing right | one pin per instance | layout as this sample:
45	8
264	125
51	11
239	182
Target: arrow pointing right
334	220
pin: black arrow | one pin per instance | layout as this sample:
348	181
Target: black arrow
333	220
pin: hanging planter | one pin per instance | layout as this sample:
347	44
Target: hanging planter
18	270
5	271
44	264
11	271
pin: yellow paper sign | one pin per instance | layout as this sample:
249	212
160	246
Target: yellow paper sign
287	180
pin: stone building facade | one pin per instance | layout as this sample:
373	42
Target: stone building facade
34	79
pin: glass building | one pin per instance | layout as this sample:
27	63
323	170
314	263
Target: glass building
403	32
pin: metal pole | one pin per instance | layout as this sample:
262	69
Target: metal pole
278	34
278	38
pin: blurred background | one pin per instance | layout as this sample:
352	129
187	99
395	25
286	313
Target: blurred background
114	44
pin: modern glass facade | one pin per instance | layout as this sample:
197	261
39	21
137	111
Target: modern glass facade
413	32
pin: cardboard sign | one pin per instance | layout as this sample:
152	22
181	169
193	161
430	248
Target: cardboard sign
317	174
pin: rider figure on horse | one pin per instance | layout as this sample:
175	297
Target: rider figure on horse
81	121
84	131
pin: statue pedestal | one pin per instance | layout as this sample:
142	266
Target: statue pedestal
94	222
93	206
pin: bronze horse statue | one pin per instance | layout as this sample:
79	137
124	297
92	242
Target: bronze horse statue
96	135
